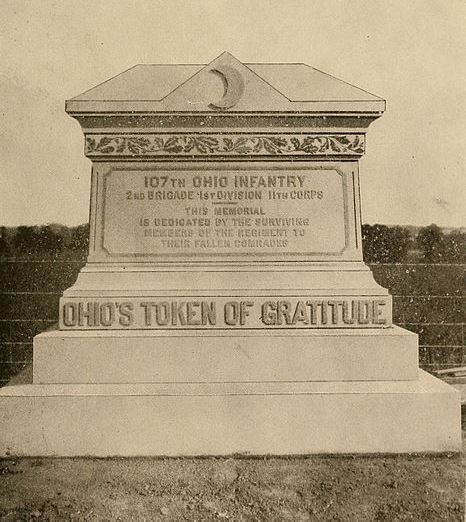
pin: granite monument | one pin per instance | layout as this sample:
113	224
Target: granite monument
225	306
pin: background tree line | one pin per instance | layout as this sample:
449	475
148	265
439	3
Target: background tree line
45	240
381	243
396	244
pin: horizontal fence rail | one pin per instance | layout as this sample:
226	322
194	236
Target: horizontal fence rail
428	299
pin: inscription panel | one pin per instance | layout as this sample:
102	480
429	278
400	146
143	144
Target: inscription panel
222	214
165	313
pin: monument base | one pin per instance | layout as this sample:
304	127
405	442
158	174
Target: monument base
230	418
167	356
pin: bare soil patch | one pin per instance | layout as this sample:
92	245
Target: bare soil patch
356	488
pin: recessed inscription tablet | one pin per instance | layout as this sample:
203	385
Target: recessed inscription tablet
173	213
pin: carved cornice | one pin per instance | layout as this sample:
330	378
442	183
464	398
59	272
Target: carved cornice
240	145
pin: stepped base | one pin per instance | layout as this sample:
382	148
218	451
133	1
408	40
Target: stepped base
233	278
145	296
228	418
225	356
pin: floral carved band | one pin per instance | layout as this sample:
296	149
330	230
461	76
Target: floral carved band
189	145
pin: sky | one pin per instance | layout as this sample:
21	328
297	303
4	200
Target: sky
412	53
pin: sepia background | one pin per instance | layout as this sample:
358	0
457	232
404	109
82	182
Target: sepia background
410	53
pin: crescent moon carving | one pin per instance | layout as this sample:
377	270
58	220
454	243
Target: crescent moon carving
233	84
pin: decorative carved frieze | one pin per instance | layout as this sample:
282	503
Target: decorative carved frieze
104	145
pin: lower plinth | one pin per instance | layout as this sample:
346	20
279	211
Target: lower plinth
138	356
175	419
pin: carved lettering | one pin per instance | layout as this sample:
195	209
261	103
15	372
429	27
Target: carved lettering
263	213
221	312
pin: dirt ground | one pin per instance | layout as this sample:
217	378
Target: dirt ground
356	488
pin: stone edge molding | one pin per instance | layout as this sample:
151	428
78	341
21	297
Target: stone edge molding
189	145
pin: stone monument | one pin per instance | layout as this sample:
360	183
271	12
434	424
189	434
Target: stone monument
225	306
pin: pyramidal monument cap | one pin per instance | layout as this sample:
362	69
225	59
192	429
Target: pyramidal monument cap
250	87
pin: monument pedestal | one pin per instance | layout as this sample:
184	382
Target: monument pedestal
224	393
225	356
225	307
